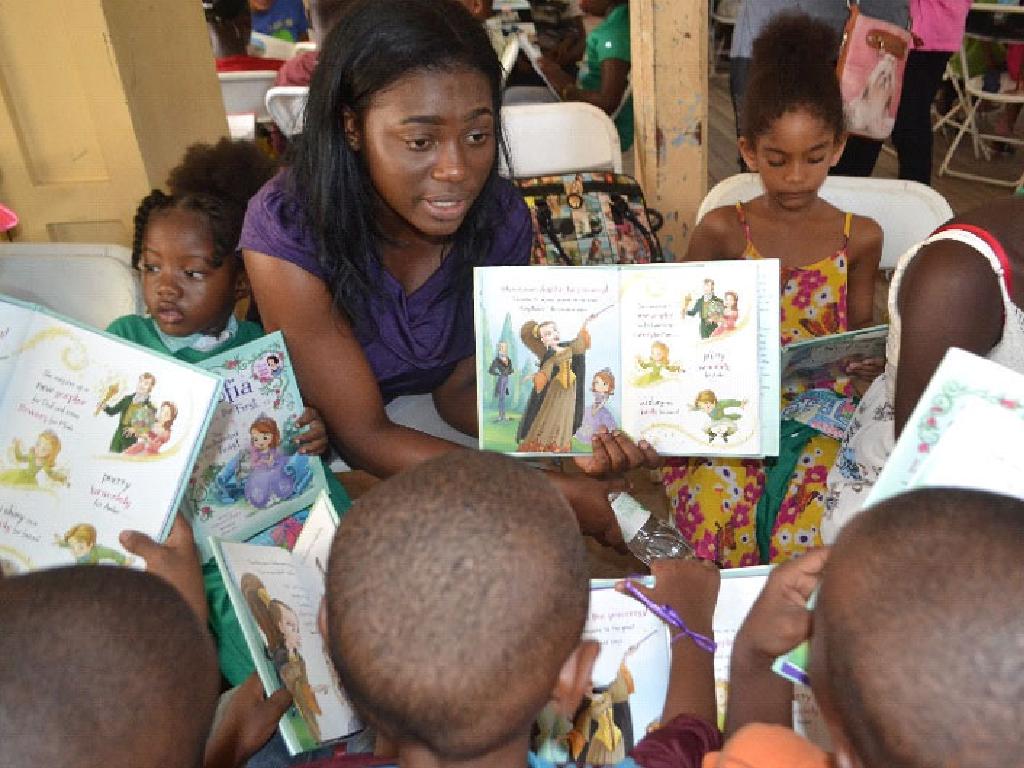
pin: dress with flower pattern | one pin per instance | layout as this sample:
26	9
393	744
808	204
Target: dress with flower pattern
714	500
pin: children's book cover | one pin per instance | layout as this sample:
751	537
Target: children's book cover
98	435
826	358
249	474
972	407
277	595
740	589
675	354
630	680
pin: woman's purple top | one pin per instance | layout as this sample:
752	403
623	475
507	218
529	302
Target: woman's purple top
418	338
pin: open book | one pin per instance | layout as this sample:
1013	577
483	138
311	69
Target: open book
740	588
249	475
276	595
685	356
970	416
630	677
98	435
826	358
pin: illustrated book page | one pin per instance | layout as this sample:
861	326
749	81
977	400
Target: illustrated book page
970	415
98	435
826	358
276	595
249	474
685	356
740	589
630	680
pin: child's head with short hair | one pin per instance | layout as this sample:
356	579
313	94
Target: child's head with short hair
916	655
792	114
102	666
186	242
456	597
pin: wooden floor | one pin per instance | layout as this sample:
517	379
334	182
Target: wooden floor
962	194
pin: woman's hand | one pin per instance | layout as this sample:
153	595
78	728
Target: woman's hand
312	441
615	453
589	499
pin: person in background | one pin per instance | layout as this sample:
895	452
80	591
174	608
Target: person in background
755	14
230	26
361	252
284	19
940	26
323	15
604	75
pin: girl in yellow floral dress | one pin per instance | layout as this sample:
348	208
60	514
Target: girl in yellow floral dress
791	134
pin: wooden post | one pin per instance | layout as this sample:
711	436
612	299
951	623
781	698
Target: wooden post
670	108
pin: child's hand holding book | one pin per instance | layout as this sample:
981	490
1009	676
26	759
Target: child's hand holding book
175	561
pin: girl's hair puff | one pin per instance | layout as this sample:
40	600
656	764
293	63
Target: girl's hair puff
379	43
793	68
214	181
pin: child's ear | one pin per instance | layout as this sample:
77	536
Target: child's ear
747	153
350	124
837	152
575	678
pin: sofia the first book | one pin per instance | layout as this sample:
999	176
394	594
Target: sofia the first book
98	435
684	356
249	475
276	595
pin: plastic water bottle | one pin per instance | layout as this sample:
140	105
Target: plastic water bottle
646	536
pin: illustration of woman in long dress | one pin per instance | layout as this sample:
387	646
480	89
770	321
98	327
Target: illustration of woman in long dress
263	473
151	441
41	457
280	627
598	415
555	409
729	315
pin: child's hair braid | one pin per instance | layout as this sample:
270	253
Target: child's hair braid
155	200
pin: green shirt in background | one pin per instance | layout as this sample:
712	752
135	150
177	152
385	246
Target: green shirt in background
610	40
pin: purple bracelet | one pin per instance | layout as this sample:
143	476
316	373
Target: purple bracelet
668	614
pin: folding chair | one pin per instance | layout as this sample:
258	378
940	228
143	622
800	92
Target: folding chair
245	92
286	105
93	284
560	138
906	211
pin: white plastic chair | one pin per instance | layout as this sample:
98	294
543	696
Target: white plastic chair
93	284
306	46
906	211
723	17
270	47
245	92
560	138
286	105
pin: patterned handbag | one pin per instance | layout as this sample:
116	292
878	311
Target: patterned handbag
590	218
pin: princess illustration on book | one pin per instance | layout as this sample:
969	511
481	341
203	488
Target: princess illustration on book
150	441
597	414
263	472
41	457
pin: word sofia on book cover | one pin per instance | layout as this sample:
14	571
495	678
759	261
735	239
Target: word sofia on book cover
97	436
685	356
249	474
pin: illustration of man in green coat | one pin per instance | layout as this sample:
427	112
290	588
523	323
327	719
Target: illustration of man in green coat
708	306
136	413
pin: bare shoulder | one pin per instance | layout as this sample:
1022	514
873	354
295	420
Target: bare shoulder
949	273
717	237
866	239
